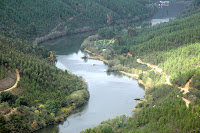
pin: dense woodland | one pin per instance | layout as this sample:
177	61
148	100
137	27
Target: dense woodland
165	112
174	47
42	87
46	95
30	19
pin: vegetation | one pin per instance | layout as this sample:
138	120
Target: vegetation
45	94
42	91
3	72
173	47
164	112
29	19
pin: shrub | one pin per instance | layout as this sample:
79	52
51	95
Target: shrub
21	101
107	129
8	97
3	127
107	32
52	107
78	98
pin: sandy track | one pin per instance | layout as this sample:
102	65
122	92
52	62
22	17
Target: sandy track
185	89
15	85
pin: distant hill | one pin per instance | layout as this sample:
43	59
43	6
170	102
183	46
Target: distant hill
45	94
29	19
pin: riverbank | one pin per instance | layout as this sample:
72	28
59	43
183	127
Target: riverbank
76	100
154	68
139	76
56	34
161	98
102	101
133	75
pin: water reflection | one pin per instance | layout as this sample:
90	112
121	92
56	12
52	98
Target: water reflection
167	13
67	45
111	94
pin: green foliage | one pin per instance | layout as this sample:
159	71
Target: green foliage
40	83
29	19
43	89
8	97
131	32
21	101
195	80
181	79
163	37
64	103
51	106
174	47
41	80
3	126
165	113
146	24
3	72
107	129
78	98
107	32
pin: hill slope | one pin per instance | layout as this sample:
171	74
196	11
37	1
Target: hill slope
30	19
172	47
45	94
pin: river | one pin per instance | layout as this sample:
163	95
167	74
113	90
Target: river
167	13
111	94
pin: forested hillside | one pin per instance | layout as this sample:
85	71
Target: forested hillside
42	96
171	51
173	46
30	19
164	58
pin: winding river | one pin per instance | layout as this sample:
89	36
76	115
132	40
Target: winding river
111	94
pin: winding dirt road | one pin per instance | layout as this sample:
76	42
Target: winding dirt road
155	68
15	85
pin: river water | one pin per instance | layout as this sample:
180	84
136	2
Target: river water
111	94
166	13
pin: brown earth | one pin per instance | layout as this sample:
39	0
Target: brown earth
9	83
185	89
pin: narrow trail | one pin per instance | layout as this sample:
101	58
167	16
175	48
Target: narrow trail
15	85
168	80
130	75
185	89
154	67
187	102
157	70
11	112
187	85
